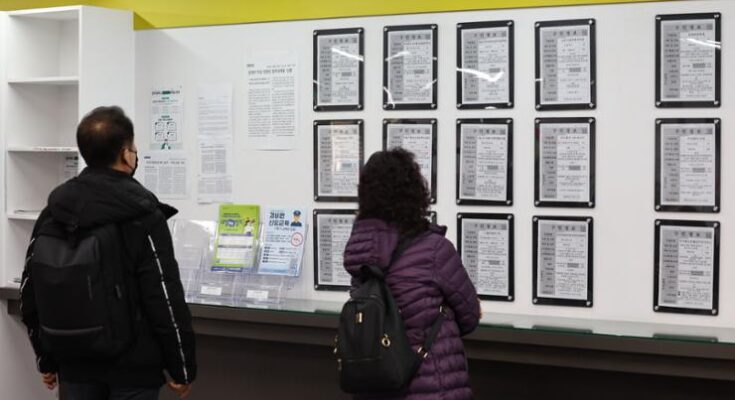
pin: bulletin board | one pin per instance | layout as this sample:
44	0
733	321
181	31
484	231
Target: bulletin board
625	116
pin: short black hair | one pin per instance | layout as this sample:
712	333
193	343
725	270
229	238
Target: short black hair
392	189
102	134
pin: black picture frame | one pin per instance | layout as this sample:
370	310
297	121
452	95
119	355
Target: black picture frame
658	206
434	161
540	106
537	163
387	104
315	223
657	267
717	102
315	71
316	155
508	122
510	25
587	303
511	249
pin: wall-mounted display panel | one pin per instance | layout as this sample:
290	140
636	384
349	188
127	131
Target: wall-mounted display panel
486	244
338	158
339	69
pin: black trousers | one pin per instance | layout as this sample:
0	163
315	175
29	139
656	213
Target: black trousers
100	391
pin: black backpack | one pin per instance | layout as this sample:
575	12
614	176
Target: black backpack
79	283
373	351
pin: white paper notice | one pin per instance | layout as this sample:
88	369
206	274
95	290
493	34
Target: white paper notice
214	109
167	117
419	140
484	162
687	267
486	255
70	167
332	234
566	64
562	259
486	65
411	67
688	164
272	100
165	173
688	60
214	181
564	163
338	69
338	160
215	176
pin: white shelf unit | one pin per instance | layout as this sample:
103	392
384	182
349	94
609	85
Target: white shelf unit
48	81
42	149
59	64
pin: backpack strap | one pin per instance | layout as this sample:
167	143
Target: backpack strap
423	351
373	271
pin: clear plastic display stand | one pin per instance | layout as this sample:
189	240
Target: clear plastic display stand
194	250
193	244
264	284
194	247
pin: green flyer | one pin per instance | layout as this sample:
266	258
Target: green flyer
237	231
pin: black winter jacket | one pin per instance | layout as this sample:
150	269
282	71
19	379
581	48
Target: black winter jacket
164	338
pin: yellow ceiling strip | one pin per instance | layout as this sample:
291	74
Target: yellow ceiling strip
150	14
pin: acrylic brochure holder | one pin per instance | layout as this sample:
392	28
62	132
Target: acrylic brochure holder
194	246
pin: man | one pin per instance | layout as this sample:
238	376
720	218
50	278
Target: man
103	195
296	218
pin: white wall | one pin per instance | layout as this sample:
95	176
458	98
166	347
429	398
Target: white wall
624	215
19	377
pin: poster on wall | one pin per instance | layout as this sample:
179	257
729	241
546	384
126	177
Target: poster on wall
339	62
485	242
167	118
688	65
485	162
410	67
565	162
419	137
272	94
562	261
688	165
338	158
235	243
485	65
687	267
283	241
566	65
332	229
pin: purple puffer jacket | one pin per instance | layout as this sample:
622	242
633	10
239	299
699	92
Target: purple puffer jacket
427	275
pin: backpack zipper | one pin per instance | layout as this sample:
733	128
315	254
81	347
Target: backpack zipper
89	287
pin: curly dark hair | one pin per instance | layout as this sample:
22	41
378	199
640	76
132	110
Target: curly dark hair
392	189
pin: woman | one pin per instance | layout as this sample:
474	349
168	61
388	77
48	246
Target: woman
394	203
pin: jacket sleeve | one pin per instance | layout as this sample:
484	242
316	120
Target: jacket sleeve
457	288
29	313
163	303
